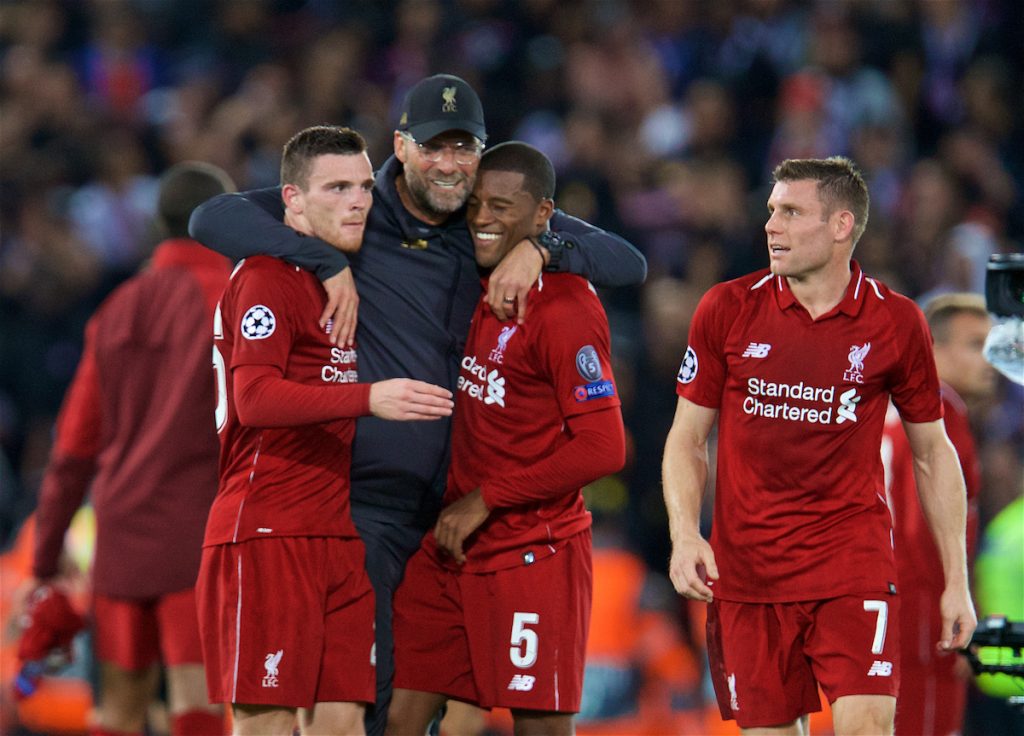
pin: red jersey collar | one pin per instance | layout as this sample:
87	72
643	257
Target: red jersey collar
850	304
186	252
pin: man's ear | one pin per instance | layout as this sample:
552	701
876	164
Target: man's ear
399	142
543	213
843	228
291	195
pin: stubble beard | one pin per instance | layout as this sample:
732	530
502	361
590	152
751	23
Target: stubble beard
433	202
334	235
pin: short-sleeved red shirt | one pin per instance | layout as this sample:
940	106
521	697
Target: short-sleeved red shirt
516	387
800	511
290	481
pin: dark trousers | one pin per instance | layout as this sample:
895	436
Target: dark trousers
389	542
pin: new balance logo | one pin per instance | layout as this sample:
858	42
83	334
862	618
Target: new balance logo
270	663
522	683
757	350
880	669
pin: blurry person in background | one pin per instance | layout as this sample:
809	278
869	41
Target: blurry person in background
136	431
933	685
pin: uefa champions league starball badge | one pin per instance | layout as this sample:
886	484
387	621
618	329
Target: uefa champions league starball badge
258	323
688	368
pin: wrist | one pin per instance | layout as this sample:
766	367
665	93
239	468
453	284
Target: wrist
555	245
545	256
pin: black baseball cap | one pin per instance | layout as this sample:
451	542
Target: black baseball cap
439	103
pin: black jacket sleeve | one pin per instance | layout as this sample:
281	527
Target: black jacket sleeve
252	223
599	256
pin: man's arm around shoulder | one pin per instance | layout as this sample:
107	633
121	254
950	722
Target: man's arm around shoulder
251	223
601	257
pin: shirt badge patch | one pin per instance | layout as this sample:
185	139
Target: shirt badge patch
594	390
588	364
688	368
858	353
258	323
498	354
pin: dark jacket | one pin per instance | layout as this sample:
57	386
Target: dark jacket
418	286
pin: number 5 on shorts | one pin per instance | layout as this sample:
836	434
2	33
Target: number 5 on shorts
882	609
523	651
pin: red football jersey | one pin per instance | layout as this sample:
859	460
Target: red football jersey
933	695
800	510
516	387
290	481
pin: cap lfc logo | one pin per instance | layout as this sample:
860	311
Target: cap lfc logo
448	94
858	353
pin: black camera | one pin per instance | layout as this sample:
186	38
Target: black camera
997	631
1004	285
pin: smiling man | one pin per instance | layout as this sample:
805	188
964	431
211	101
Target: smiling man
797	364
509	559
286	608
418	286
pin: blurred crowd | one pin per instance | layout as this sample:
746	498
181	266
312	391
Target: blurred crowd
664	119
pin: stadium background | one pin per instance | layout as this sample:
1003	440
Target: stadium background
663	117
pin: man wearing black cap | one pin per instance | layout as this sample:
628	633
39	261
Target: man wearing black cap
418	286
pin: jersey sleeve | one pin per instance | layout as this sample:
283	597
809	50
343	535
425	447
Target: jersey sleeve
262	307
597	449
702	372
264	399
575	348
915	390
72	461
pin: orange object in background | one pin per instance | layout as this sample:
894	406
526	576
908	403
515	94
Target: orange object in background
632	638
60	705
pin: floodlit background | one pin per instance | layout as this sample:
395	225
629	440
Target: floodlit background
664	119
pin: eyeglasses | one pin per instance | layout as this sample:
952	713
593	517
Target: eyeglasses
433	151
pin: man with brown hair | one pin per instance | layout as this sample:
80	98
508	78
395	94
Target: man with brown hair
797	363
286	608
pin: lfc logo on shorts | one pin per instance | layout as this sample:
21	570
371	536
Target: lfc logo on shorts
270	663
734	702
